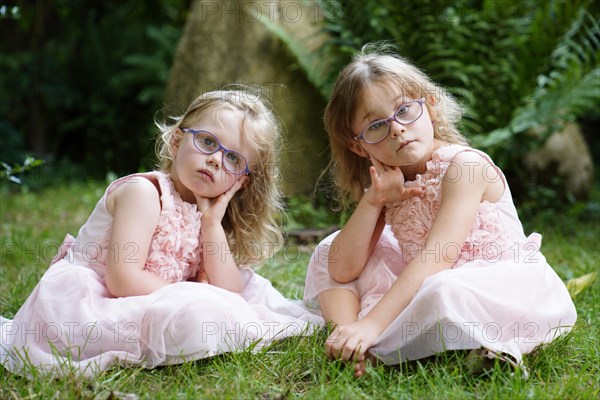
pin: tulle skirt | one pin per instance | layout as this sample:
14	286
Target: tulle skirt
70	322
508	305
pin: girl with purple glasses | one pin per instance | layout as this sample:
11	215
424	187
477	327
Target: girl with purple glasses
434	256
158	274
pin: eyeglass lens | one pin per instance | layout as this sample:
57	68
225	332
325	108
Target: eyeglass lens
406	114
207	143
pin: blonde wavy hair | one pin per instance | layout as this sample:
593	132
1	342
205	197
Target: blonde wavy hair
375	64
249	222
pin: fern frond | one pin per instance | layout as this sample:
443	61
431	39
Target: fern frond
313	66
571	88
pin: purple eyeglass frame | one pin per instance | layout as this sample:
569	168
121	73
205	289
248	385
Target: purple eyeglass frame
221	147
389	120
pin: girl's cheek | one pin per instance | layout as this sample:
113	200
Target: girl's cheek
227	179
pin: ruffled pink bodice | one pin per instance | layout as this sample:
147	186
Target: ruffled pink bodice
175	250
411	219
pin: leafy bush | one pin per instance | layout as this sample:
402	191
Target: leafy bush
81	81
303	212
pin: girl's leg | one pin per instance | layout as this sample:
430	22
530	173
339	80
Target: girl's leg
340	306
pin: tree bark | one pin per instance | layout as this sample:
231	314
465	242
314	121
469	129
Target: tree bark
224	43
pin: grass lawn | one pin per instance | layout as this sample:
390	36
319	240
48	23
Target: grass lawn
33	224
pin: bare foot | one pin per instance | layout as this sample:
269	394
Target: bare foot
360	367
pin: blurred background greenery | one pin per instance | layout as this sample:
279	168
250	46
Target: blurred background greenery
81	81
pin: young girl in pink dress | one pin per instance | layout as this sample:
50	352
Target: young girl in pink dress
155	275
434	256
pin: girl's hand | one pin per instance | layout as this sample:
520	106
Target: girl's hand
387	185
351	341
218	261
213	210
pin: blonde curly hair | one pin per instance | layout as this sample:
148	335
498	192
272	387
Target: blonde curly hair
250	220
372	65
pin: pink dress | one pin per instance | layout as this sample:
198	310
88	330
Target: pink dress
70	321
501	294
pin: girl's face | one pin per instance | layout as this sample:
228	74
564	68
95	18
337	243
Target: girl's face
197	174
405	145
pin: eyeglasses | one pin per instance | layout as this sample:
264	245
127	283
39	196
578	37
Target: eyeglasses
406	114
208	143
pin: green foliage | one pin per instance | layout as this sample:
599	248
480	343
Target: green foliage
569	89
302	212
12	172
81	81
521	68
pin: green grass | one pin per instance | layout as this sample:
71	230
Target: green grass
32	224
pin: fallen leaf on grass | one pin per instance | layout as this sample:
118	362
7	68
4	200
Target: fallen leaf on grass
577	285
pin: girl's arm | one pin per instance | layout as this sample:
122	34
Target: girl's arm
135	207
454	221
218	262
217	259
356	241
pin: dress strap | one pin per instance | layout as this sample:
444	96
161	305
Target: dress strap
166	189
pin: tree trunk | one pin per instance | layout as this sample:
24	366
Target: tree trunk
567	155
224	43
